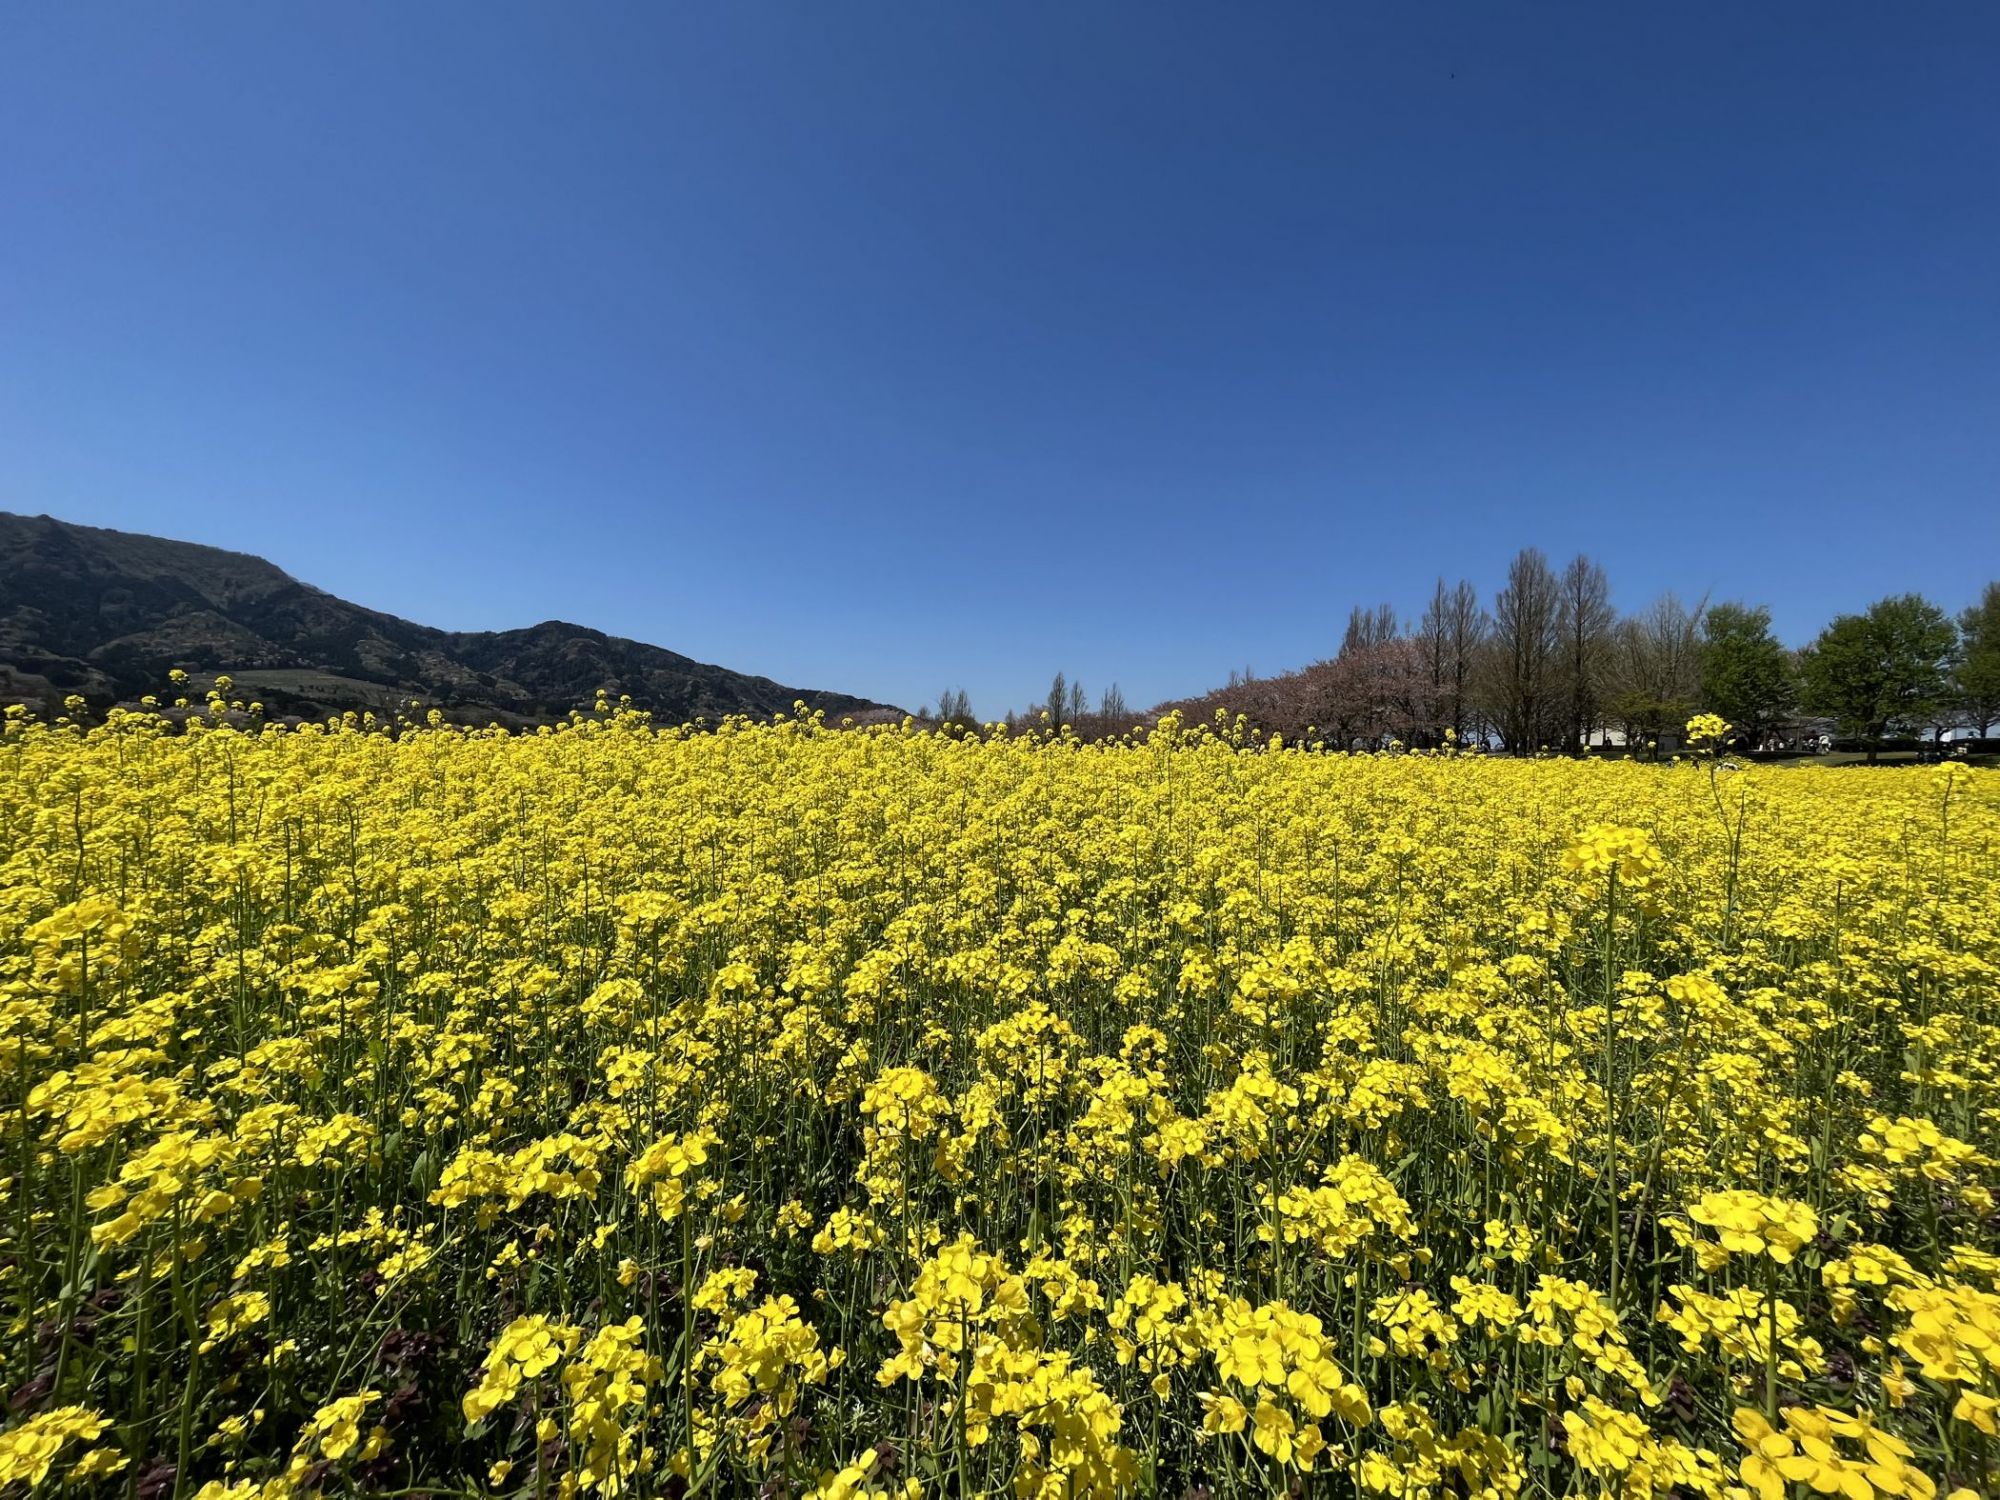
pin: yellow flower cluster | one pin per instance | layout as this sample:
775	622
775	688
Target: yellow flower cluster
1613	850
1750	1223
527	1349
1807	1449
29	1450
1282	1360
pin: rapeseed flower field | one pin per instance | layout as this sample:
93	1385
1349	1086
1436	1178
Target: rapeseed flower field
787	1111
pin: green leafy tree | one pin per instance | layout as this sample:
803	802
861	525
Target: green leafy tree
1746	673
1884	670
1977	673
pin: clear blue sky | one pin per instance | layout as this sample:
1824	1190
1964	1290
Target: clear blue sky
887	347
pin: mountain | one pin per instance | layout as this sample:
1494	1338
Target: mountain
108	613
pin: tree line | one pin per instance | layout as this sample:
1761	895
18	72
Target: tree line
1067	708
1550	664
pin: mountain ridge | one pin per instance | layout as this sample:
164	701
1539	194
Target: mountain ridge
106	614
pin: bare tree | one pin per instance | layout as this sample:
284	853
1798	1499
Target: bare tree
1584	621
1655	674
1448	640
1368	628
1520	660
1112	710
1058	701
1470	627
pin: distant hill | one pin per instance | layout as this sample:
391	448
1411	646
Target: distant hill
108	613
